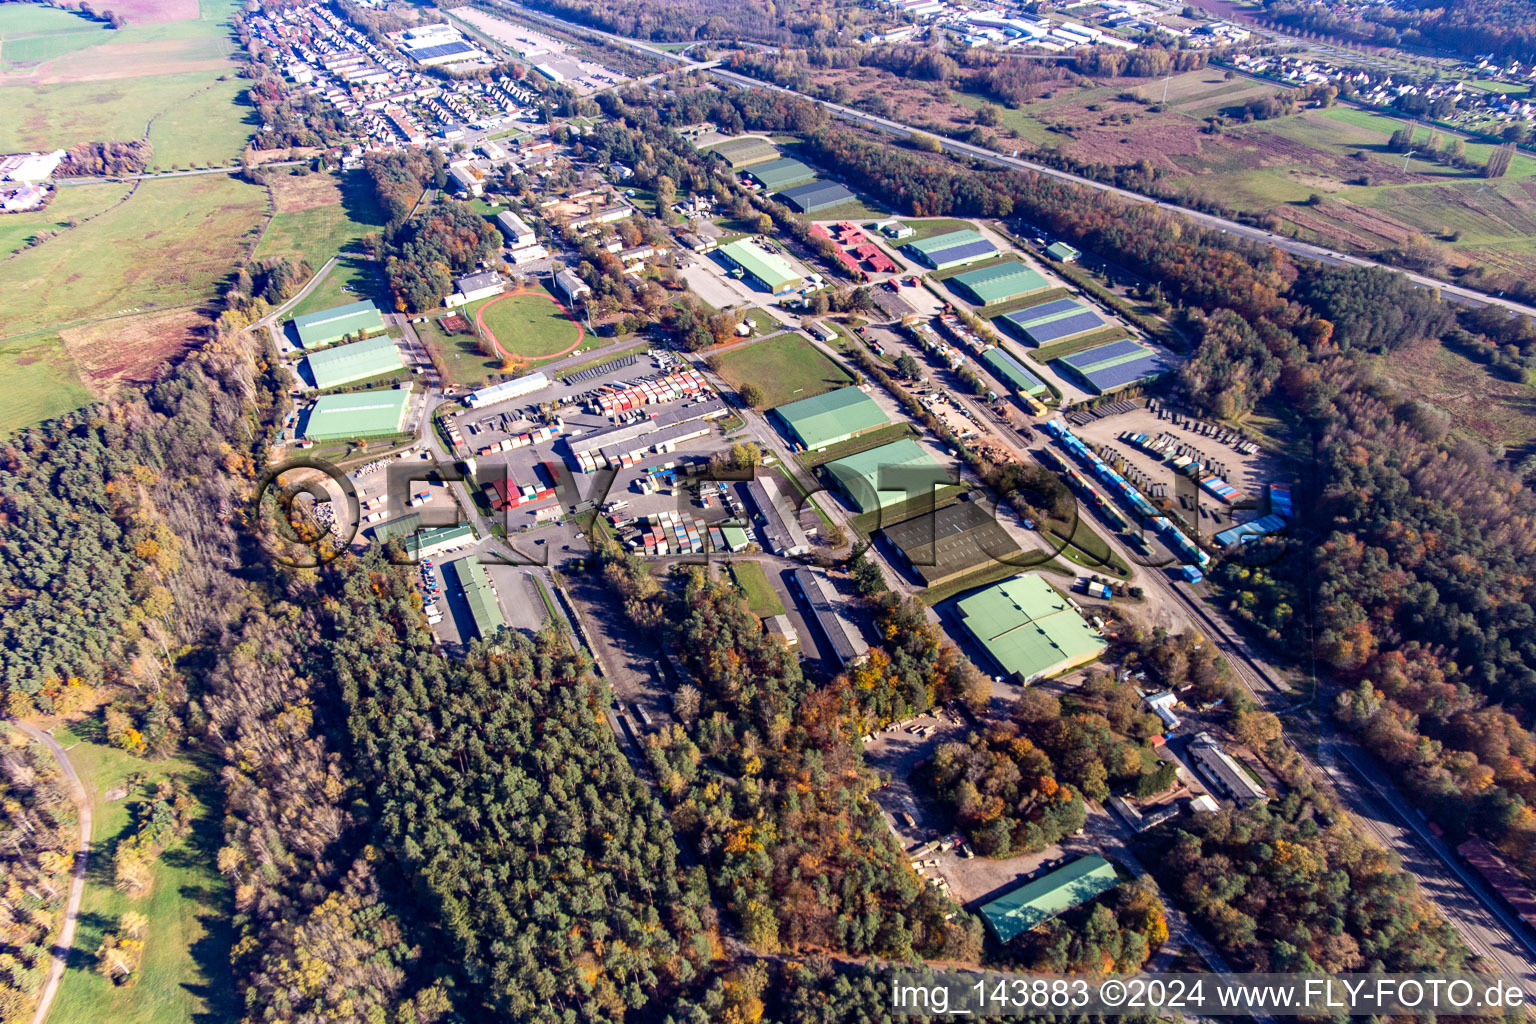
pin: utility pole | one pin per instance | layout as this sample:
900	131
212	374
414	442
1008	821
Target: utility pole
1406	157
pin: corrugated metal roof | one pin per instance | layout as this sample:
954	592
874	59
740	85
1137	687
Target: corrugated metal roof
337	322
823	419
358	414
1028	628
483	607
770	268
903	464
815	195
999	283
358	361
1048	896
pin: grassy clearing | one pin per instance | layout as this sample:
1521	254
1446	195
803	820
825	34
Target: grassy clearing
854	445
320	232
1085	547
30	34
467	367
531	326
73	203
1028	302
185	973
762	599
786	368
352	279
169	245
40	380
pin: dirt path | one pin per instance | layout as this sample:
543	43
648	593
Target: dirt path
66	939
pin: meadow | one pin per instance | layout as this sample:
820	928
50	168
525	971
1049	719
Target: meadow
785	368
185	972
70	203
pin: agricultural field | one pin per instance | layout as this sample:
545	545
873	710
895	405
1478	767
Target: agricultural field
318	215
1372	200
174	82
786	368
173	242
531	325
71	203
185	971
31	34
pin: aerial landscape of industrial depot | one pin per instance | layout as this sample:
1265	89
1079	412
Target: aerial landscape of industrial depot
694	511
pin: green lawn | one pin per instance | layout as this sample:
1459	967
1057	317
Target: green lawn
40	380
74	202
467	368
185	973
30	33
353	279
786	368
762	599
863	443
1102	336
167	246
929	228
532	326
196	110
321	232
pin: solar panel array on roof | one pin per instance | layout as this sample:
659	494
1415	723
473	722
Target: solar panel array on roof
1055	330
1055	307
1116	365
814	196
971	251
781	173
426	53
1091	357
1053	321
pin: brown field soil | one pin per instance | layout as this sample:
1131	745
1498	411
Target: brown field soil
131	350
1494	410
291	194
1341	219
133	60
267	156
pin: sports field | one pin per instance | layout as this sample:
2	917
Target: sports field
785	368
185	972
531	325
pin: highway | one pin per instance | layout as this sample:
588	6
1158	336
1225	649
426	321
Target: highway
1453	292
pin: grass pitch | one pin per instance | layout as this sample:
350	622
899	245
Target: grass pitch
786	368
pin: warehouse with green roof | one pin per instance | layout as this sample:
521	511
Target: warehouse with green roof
888	475
1013	373
829	418
785	173
1001	283
952	249
1029	629
1029	906
767	270
357	414
479	596
354	320
361	360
